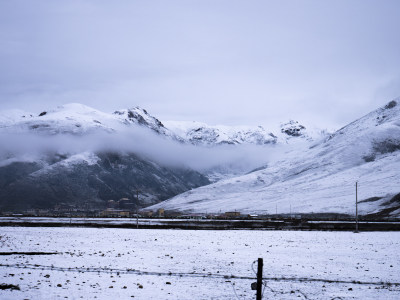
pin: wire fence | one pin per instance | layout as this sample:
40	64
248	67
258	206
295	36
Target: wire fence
193	274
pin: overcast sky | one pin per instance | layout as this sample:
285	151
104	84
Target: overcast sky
219	61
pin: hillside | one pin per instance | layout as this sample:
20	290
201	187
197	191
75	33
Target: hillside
316	178
80	156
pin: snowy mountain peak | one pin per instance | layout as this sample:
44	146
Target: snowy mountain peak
293	129
383	117
76	107
72	111
388	112
142	117
207	135
72	118
392	103
78	119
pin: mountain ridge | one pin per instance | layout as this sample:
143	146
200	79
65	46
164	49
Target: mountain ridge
75	154
319	178
318	167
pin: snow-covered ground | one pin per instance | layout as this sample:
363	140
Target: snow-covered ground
176	264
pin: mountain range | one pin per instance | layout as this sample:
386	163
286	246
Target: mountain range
78	155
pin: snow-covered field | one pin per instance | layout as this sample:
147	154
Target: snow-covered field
175	264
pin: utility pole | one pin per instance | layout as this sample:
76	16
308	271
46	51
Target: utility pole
356	207
259	278
137	211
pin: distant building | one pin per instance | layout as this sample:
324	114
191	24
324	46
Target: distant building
232	214
160	212
252	216
146	213
115	213
193	216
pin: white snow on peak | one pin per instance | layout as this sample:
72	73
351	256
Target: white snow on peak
140	116
13	115
77	107
199	133
76	118
203	134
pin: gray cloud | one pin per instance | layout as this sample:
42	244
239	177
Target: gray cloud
142	142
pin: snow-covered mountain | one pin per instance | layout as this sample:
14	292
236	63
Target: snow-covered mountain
76	154
199	133
91	179
203	134
294	131
307	171
239	137
316	178
79	119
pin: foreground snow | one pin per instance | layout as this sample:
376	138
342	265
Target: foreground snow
175	264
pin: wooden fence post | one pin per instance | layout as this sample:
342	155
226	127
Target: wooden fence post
259	278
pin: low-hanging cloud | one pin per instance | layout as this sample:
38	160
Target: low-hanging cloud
142	142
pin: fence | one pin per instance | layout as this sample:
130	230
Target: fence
260	285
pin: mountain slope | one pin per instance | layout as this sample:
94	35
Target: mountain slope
90	178
75	154
320	178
